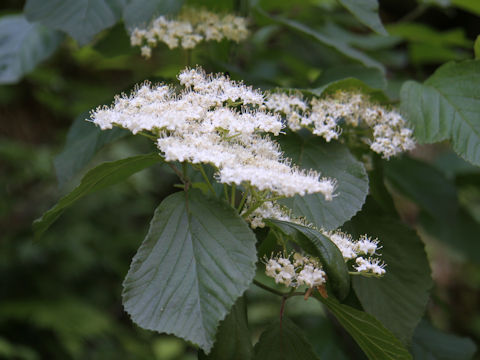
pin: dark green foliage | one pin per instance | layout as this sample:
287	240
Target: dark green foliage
282	341
332	160
203	247
102	176
321	247
447	106
60	297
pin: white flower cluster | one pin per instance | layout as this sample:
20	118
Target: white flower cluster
269	210
362	251
188	29
217	121
303	270
364	246
390	133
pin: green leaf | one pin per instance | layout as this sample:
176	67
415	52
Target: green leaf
81	19
377	342
371	77
421	33
350	85
320	246
102	176
440	213
140	12
399	298
332	160
342	47
22	46
432	344
233	336
447	106
366	11
468	5
84	139
425	185
196	260
476	47
442	3
283	341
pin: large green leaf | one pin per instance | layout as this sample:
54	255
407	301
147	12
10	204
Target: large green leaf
321	247
283	341
81	19
233	340
372	77
377	342
84	139
476	48
366	11
350	84
140	12
196	260
440	213
22	46
432	344
399	298
447	106
102	176
340	46
332	160
425	185
469	5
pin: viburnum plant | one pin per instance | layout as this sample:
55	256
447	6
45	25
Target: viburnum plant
280	189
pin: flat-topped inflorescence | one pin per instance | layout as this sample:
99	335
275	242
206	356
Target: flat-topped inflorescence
217	121
189	28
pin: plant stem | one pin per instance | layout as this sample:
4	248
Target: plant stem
275	198
415	13
178	172
254	207
147	135
225	191
205	177
363	274
234	188
242	201
268	288
188	58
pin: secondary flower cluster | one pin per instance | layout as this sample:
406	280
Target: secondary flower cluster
390	134
269	210
217	121
303	270
188	29
363	251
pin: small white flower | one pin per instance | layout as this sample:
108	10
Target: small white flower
366	246
370	265
304	271
311	276
344	242
146	52
281	269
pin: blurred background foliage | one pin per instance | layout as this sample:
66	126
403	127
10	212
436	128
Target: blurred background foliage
60	297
